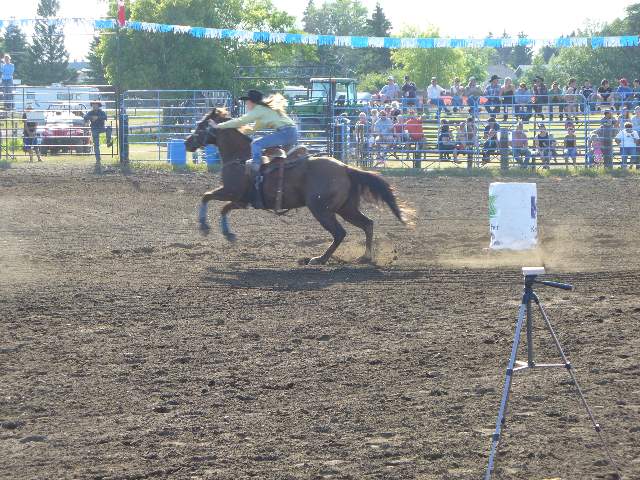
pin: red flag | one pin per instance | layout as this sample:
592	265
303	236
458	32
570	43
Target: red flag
121	13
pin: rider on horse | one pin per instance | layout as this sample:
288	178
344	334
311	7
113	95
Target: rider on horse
266	114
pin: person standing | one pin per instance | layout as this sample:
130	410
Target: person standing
8	69
97	119
29	136
541	94
628	140
492	92
607	133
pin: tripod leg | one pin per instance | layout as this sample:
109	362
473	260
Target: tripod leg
569	367
506	390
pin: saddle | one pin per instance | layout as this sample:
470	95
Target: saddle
276	160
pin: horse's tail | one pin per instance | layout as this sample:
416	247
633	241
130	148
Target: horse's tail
376	189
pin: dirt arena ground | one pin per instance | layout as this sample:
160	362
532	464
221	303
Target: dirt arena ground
134	348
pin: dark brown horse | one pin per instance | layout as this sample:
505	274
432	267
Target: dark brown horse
323	184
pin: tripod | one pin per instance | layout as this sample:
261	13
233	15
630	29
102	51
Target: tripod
525	312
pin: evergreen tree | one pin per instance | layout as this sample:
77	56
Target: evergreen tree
15	44
521	55
96	76
378	26
47	58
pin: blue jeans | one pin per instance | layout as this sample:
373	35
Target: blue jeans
522	155
626	152
95	135
456	101
473	103
438	102
280	137
7	91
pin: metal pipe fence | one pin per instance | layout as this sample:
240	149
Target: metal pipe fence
485	131
156	117
50	119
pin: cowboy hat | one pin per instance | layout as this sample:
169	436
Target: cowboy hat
494	77
254	96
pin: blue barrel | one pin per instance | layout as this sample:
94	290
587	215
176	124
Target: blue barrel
176	152
211	154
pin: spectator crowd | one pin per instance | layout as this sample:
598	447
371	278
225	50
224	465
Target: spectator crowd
528	125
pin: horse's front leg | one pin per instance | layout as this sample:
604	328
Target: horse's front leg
219	194
224	222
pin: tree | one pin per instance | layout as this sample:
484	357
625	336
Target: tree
337	17
47	58
378	26
15	43
443	63
168	61
520	54
96	75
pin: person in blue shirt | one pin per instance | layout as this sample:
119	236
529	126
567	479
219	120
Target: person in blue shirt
7	68
624	95
97	119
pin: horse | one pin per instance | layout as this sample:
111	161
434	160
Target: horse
323	184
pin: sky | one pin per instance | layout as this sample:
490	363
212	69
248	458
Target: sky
463	18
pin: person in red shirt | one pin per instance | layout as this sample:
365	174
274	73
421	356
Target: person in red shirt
413	127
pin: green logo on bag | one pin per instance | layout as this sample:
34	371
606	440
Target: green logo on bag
492	206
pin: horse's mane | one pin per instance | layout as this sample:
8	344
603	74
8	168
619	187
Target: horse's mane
221	114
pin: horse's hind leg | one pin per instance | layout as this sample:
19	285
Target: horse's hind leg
354	216
328	220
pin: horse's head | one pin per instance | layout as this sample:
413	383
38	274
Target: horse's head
205	133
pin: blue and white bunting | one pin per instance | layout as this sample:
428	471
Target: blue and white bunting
247	36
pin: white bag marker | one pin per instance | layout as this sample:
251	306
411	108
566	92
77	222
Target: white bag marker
513	216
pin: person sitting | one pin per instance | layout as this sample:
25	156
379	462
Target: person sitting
556	99
446	144
520	145
604	95
623	96
543	145
492	92
460	141
490	145
522	99
383	133
635	99
409	93
390	91
473	93
492	124
571	99
504	145
400	134
588	97
265	114
457	92
394	110
635	120
434	94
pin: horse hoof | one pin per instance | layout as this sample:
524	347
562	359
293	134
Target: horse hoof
204	229
315	261
364	260
230	237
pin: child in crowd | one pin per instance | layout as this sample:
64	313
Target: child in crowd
596	155
445	141
556	100
543	145
570	146
460	141
571	100
520	143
